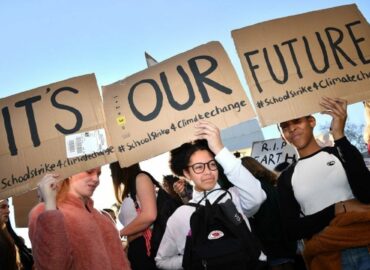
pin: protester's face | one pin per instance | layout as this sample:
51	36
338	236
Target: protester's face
4	211
207	179
298	132
84	184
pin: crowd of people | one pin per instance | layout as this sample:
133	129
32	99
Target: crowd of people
312	214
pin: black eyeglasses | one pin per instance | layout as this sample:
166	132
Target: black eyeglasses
200	167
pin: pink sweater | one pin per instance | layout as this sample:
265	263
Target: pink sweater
74	237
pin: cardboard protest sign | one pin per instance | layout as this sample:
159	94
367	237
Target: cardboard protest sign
290	63
22	206
42	127
273	152
154	111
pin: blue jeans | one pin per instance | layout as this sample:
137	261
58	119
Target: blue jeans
355	259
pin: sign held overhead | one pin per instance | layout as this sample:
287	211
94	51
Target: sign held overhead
154	111
290	63
34	129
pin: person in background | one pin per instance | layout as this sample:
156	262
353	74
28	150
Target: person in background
110	212
198	161
134	188
14	254
325	195
67	232
9	256
266	223
178	188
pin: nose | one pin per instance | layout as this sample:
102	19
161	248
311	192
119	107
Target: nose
94	174
95	177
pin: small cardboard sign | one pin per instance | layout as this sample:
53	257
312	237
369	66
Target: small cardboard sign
272	152
33	130
290	63
154	111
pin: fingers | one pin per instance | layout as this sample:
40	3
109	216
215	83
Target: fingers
334	106
205	129
210	132
49	180
179	186
47	190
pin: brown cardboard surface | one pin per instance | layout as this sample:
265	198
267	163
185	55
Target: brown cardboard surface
157	126
344	36
22	206
50	109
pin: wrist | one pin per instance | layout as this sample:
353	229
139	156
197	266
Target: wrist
50	206
218	149
338	136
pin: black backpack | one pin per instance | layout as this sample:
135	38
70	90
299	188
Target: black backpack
166	205
220	238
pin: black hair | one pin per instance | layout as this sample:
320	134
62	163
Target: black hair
180	157
170	179
281	166
123	176
24	252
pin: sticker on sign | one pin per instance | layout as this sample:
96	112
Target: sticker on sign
85	143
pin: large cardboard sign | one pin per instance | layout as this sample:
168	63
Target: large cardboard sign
272	152
36	130
290	63
154	111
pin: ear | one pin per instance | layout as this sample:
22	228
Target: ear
281	133
186	173
312	121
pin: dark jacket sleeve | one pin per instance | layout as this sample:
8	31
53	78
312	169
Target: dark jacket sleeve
357	173
297	226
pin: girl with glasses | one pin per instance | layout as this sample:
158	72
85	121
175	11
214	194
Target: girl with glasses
199	162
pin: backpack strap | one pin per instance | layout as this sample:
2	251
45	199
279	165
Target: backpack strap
133	186
196	205
219	198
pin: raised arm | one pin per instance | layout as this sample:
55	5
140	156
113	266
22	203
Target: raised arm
47	232
357	173
250	191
